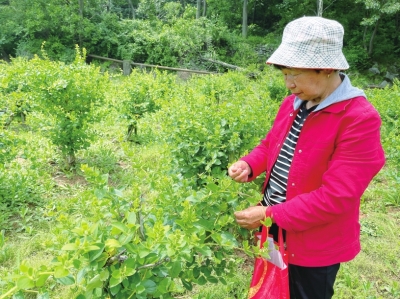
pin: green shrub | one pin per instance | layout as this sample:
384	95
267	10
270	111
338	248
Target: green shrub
357	57
211	121
385	102
68	97
139	95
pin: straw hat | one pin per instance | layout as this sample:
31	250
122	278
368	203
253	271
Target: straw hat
311	42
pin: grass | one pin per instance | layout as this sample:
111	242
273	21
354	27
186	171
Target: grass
375	272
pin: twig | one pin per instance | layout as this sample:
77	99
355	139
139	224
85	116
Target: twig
166	259
120	257
9	293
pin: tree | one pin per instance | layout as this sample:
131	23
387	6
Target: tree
376	10
244	21
320	7
132	9
201	8
198	9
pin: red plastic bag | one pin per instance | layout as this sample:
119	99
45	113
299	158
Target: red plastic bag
270	276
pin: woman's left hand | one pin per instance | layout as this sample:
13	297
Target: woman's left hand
250	218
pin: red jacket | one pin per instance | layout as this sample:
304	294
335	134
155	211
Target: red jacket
337	155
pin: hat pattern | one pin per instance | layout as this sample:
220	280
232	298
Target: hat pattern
311	42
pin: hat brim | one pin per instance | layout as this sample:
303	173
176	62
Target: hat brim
289	57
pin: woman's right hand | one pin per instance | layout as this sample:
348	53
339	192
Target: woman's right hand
240	171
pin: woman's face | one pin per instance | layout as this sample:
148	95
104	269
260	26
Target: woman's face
307	84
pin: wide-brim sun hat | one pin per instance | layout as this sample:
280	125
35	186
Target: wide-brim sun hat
311	43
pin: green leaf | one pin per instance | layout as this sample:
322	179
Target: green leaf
129	271
70	246
143	252
150	286
205	250
67	280
212	187
140	289
24	283
207	224
116	273
223	281
100	193
196	272
91	248
131	219
120	226
176	268
212	279
112	243
125	239
201	280
115	289
96	253
187	284
104	274
77	263
19	295
228	239
42	280
163	285
81	275
115	281
95	282
206	271
60	271
267	221
98	293
43	296
24	268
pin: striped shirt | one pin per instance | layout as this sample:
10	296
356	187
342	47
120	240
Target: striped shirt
275	192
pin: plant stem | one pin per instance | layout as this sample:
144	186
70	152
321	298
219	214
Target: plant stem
10	292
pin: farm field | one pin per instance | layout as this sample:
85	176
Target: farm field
115	186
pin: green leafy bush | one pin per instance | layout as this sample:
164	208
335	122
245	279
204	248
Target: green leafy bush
128	248
385	102
17	95
68	96
211	121
357	57
67	93
139	94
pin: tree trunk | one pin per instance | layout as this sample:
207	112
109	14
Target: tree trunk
132	9
244	22
371	41
204	8
81	8
70	161
198	9
81	15
365	39
320	7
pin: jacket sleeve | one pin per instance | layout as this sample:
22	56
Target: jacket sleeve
257	158
357	158
262	154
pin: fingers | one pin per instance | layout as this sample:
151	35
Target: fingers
249	226
239	171
250	218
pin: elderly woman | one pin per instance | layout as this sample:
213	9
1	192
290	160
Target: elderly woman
319	157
